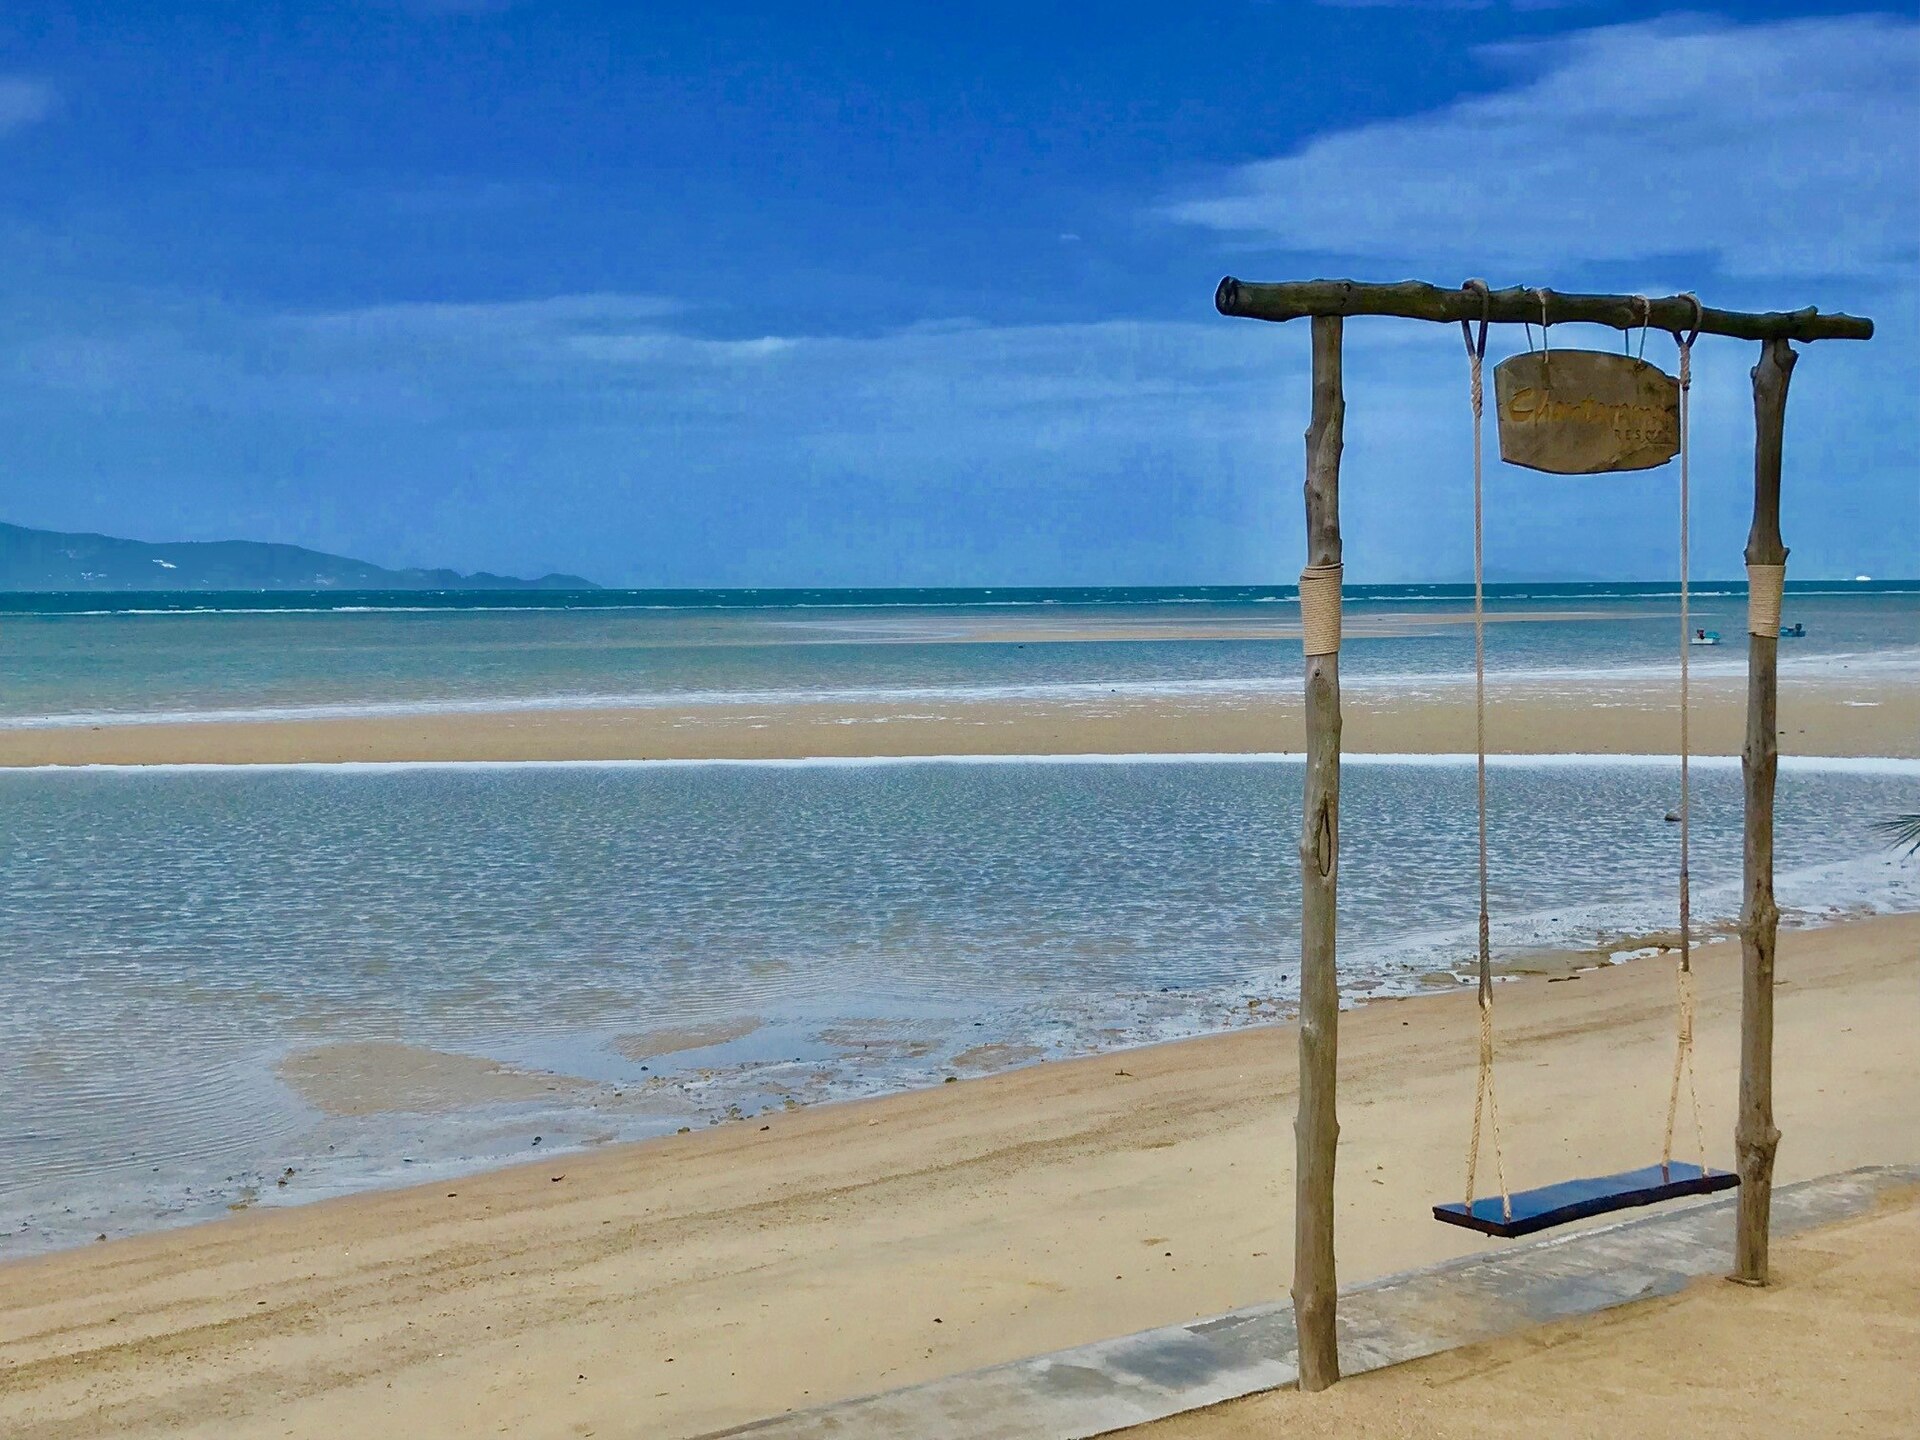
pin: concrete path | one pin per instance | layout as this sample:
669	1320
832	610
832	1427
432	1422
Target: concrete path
1112	1384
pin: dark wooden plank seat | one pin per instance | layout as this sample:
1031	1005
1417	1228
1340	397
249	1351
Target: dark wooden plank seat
1571	1200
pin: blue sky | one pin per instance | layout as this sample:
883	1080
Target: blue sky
883	294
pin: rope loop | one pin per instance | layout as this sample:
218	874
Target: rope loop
1685	342
1477	347
1646	323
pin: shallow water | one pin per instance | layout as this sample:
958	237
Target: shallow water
168	936
243	661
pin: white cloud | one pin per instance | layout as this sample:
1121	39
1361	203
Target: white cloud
23	102
457	320
1783	150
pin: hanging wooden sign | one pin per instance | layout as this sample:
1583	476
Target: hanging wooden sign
1583	412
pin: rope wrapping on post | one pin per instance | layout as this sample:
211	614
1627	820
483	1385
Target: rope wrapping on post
1766	587
1320	609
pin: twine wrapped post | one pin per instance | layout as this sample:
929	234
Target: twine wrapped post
1320	610
1316	1128
1766	589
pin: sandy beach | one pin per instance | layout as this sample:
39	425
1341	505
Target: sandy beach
682	1285
696	709
1714	1361
1878	716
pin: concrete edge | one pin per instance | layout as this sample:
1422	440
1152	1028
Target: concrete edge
1113	1384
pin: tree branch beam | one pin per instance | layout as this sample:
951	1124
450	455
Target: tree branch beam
1414	300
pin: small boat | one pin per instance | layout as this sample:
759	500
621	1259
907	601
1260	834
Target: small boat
1704	637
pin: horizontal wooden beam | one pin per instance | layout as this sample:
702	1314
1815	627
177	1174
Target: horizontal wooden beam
1413	300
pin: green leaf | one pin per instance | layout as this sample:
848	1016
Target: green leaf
1903	832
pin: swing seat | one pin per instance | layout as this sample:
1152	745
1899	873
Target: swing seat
1571	1200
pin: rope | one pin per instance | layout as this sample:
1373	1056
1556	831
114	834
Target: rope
1765	587
1484	1099
1320	609
1683	1037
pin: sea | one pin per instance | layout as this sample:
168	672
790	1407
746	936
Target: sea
689	943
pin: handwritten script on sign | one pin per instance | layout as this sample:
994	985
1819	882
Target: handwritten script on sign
1583	412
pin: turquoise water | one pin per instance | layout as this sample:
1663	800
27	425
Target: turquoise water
170	936
89	658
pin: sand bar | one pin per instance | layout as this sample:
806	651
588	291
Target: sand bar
369	1077
689	1283
1624	716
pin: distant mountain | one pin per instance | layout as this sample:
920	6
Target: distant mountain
50	560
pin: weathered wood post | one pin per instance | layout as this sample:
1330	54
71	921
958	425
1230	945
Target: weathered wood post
1316	1128
1755	1137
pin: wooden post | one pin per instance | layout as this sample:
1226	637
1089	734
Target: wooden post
1755	1137
1316	1129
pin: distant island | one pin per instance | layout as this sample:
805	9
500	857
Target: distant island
51	560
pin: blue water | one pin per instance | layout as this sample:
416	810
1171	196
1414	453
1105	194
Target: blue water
85	659
168	937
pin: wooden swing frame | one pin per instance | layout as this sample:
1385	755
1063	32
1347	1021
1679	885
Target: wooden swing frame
1316	1127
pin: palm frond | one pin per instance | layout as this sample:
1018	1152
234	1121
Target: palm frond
1902	832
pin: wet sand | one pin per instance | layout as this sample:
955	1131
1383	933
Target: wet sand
1623	716
681	1285
372	1077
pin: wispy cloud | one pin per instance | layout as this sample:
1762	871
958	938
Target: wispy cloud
23	102
605	434
1778	150
457	321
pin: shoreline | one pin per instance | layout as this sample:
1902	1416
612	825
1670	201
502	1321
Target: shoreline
443	1112
1032	1208
427	1095
1828	717
792	1057
1888	765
